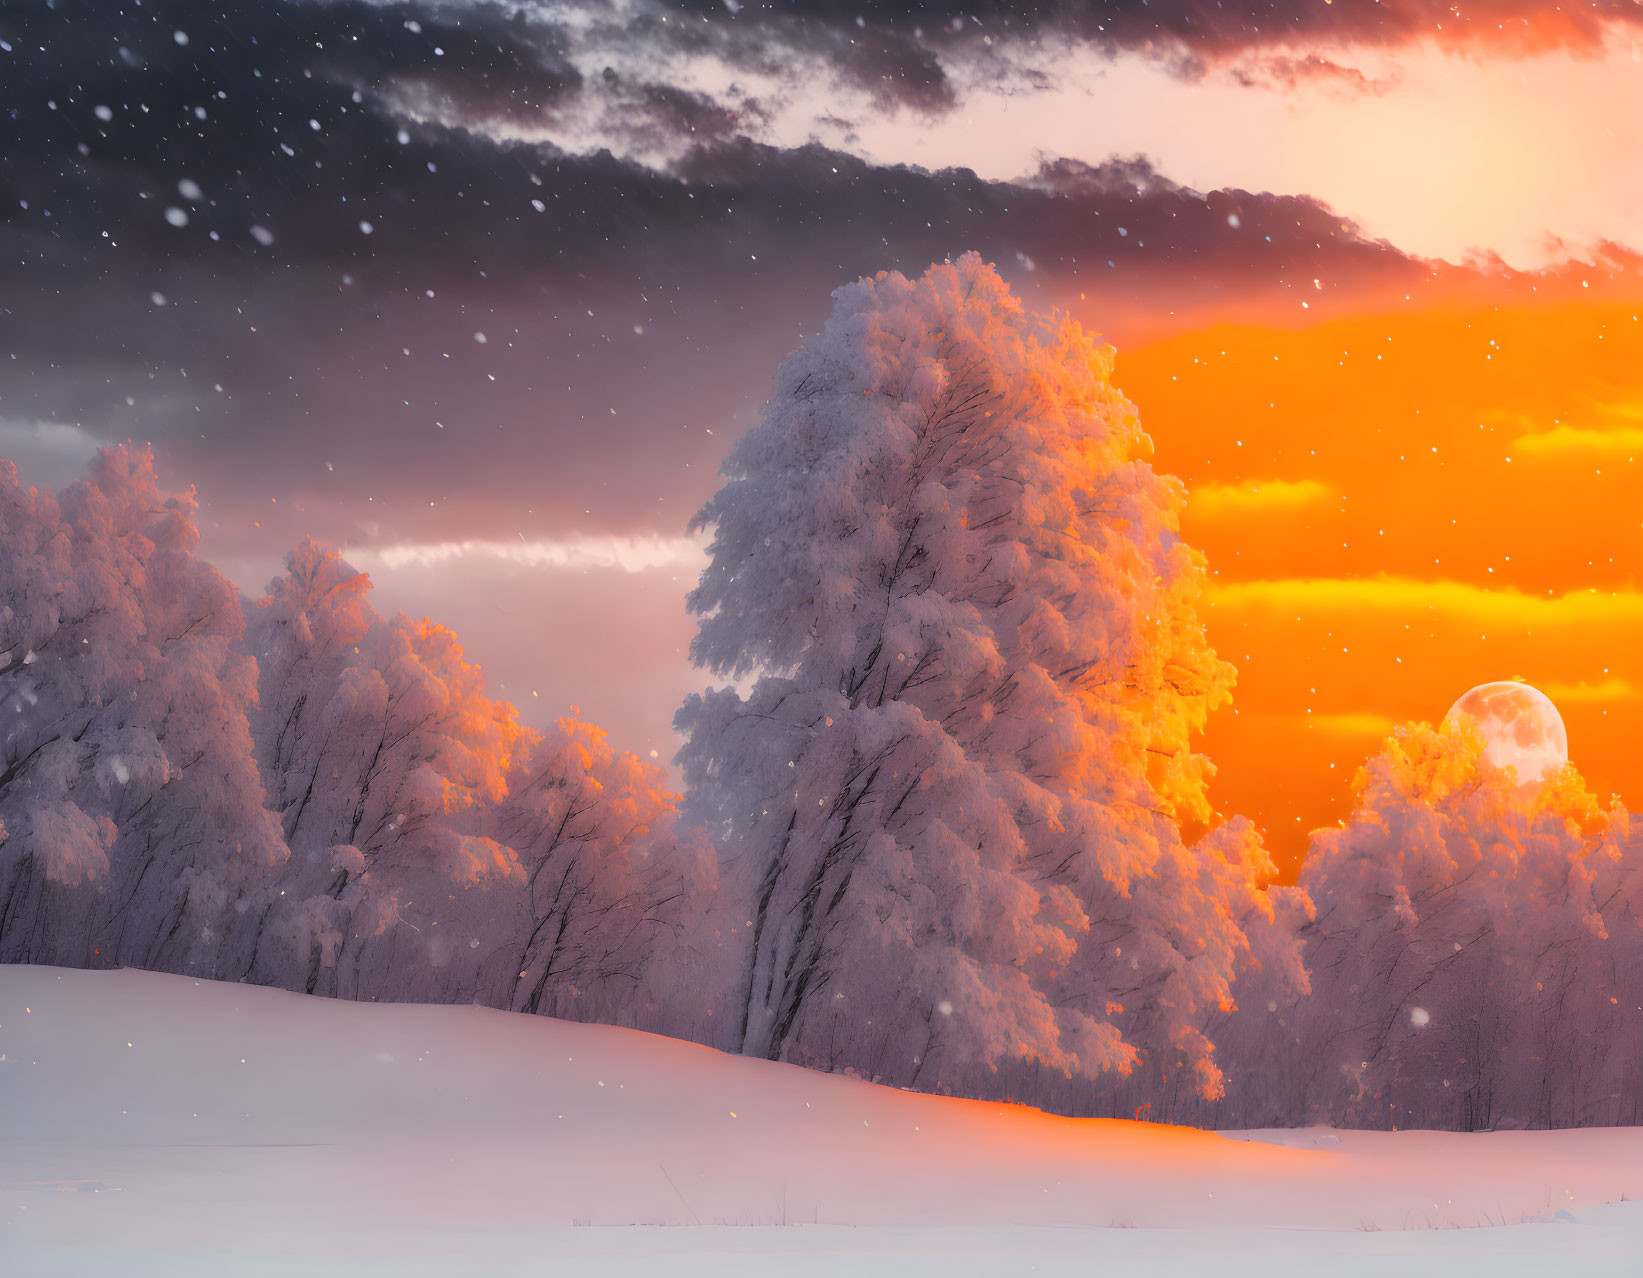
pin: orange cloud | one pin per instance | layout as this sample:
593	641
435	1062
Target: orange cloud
1214	501
1383	593
1624	441
1609	691
1358	723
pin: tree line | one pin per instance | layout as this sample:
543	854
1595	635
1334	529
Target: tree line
932	826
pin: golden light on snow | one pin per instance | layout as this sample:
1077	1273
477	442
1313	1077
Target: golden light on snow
1521	727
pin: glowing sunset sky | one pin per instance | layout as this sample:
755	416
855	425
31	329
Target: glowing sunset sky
482	292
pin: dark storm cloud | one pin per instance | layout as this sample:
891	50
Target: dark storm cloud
335	331
652	117
1279	71
895	70
896	66
265	108
1188	34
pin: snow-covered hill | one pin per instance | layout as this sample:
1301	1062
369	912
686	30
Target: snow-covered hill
159	1125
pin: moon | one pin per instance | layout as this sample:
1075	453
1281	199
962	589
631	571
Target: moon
1521	729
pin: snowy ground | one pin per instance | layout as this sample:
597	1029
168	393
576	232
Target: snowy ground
157	1125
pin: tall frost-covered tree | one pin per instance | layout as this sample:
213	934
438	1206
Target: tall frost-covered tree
134	826
947	798
1477	958
440	850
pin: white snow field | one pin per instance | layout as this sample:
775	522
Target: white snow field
158	1125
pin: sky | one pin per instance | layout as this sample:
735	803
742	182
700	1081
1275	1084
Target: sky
481	293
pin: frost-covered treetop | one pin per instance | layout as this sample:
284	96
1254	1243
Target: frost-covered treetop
947	468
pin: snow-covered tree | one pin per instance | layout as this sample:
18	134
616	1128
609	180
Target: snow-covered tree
133	813
612	888
1477	959
947	800
440	850
375	741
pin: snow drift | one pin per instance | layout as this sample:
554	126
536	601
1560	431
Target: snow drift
160	1124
